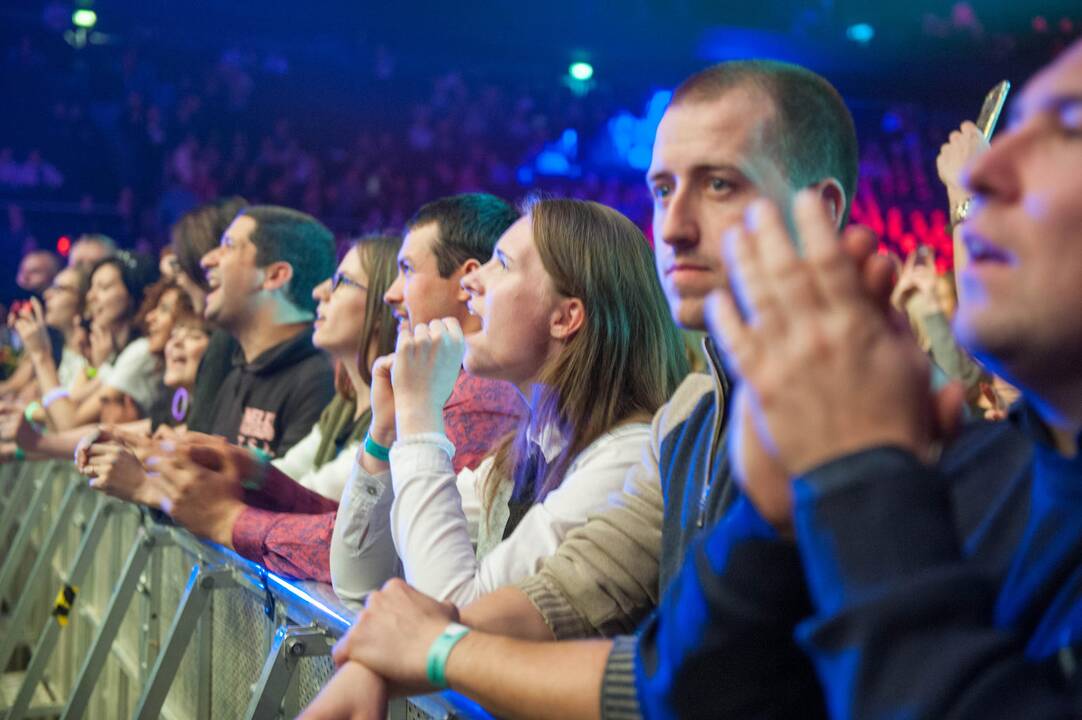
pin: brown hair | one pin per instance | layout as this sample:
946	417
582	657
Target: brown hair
153	295
624	362
379	258
199	231
812	137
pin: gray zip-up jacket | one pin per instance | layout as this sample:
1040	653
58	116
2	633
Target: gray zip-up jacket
609	574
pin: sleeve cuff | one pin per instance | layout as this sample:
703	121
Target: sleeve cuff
554	607
250	532
619	699
868	520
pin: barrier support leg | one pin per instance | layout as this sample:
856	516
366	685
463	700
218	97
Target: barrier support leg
201	584
290	645
47	642
145	542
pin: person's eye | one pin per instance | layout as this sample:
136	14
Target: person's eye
720	185
661	191
1071	117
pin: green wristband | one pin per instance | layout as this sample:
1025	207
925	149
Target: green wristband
441	650
28	413
376	450
20	454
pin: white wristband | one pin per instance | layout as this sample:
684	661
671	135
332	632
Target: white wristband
53	395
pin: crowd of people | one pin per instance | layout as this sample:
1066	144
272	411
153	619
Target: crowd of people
755	468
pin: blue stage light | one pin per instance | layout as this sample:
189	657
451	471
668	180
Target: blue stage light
860	33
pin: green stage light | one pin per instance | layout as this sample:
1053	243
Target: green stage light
581	71
84	18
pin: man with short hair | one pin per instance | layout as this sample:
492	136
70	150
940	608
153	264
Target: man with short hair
733	133
36	272
89	249
478	414
261	278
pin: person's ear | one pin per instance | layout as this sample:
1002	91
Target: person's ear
833	198
277	275
465	269
567	319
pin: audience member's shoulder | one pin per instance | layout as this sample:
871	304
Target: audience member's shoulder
694	394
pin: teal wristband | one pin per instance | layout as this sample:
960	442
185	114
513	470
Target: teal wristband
376	450
20	454
440	651
256	483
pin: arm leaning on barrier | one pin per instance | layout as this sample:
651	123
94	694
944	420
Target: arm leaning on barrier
394	636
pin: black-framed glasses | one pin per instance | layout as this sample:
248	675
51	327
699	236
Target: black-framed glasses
340	278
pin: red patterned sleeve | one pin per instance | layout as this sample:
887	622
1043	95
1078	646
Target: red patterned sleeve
477	415
295	545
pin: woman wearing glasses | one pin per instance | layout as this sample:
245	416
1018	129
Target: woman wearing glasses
354	327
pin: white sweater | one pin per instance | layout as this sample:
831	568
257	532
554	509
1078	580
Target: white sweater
327	480
435	515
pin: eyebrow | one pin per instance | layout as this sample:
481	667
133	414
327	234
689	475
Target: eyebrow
701	169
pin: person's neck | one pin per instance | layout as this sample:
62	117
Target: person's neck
263	333
360	390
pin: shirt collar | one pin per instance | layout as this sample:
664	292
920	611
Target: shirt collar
549	438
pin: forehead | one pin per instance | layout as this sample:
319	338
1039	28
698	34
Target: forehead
351	261
419	242
727	130
517	240
106	274
241	228
67	277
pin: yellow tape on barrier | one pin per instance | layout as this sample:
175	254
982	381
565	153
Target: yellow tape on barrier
62	607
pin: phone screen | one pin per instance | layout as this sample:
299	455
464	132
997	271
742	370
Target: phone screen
992	107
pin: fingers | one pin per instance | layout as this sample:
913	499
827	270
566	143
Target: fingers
727	328
37	310
749	285
834	274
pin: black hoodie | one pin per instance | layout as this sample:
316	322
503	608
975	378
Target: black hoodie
273	402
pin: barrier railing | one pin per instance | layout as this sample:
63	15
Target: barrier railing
107	613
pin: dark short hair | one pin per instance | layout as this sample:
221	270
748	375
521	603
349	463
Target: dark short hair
812	137
285	235
468	226
199	231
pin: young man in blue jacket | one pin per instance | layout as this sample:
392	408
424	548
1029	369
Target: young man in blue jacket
944	584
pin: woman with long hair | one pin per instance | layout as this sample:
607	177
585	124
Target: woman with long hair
574	316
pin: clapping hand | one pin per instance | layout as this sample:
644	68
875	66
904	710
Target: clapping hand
826	368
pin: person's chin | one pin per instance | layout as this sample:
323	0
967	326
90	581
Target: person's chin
689	312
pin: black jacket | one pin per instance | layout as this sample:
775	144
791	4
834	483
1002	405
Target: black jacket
273	401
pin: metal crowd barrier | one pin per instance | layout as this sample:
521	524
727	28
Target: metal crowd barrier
107	613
